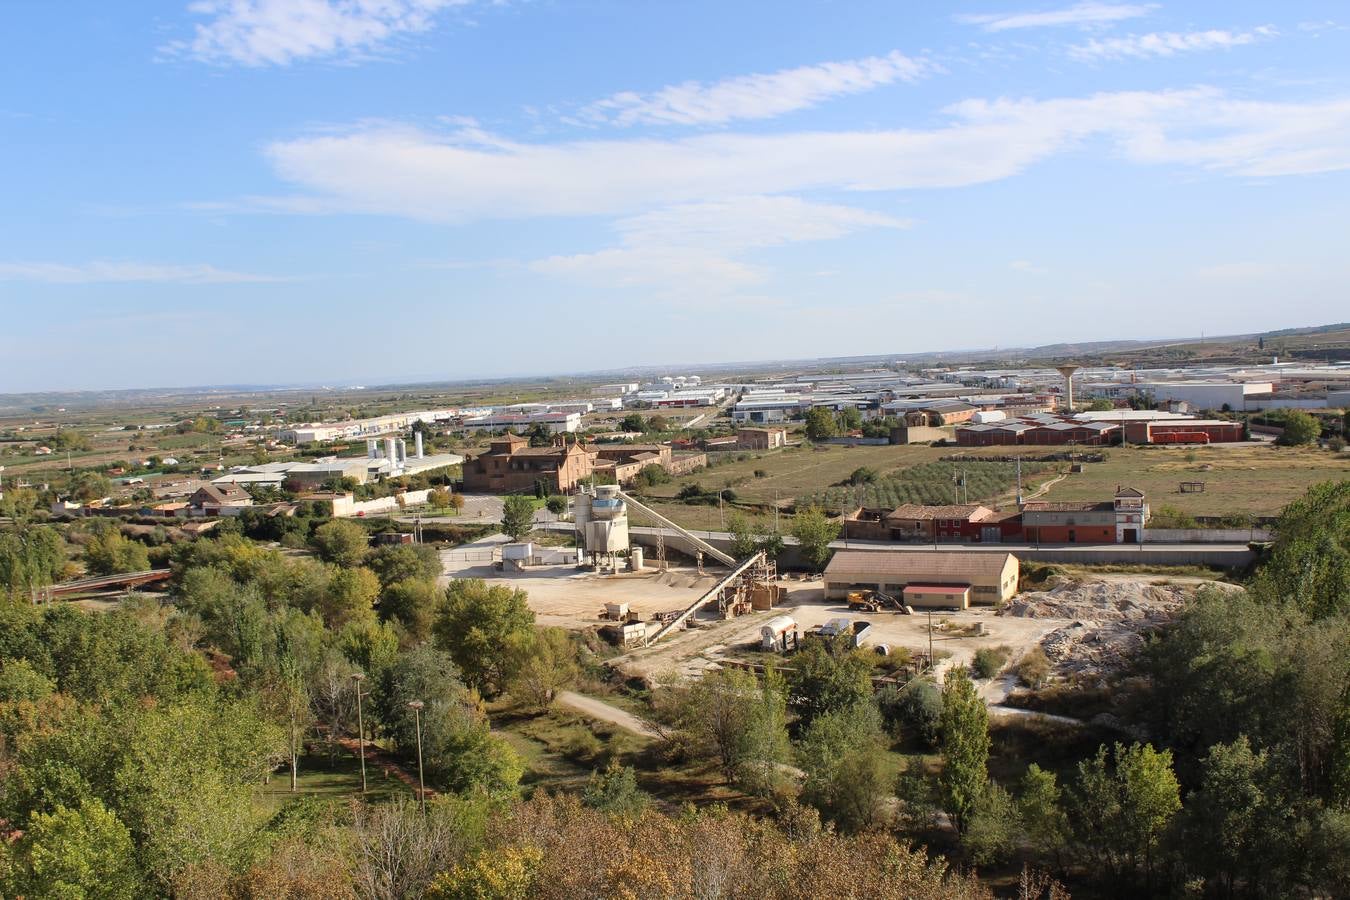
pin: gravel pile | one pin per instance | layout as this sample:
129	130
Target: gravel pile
1111	620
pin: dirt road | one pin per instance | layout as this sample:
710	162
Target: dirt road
599	709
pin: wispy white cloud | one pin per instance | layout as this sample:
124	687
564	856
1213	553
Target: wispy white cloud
1023	265
465	176
279	32
1167	43
1245	270
1080	14
693	247
114	272
760	96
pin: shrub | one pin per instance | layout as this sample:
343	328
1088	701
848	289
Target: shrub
989	660
1034	668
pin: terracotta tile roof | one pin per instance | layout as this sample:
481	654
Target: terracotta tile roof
1068	506
970	512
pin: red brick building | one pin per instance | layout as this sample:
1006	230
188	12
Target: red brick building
512	466
1186	431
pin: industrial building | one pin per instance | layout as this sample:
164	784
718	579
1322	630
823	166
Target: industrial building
760	438
924	524
512	466
1120	520
555	422
939	579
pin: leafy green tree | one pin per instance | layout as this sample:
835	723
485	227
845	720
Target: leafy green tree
350	596
482	627
993	827
1299	428
1039	805
814	531
109	553
862	475
545	666
557	504
850	419
615	791
742	536
1118	814
439	498
76	852
1236	832
657	424
400	562
820	424
633	422
411	603
965	746
827	676
89	486
848	776
517	516
67	440
341	542
740	723
31	557
915	709
459	752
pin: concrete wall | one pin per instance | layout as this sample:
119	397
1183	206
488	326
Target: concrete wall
345	507
1205	535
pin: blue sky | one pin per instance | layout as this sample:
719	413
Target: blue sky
346	191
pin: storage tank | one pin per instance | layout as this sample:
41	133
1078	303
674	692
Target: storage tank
607	528
773	633
635	559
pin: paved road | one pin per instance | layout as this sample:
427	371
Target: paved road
605	712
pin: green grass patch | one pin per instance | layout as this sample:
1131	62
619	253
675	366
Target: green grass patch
339	778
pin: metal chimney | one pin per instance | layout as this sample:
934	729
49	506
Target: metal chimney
389	449
417	441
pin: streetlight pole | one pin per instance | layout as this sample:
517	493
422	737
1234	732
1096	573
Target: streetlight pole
357	678
416	706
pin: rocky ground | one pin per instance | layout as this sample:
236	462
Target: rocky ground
1111	618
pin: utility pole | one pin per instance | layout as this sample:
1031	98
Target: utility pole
931	661
416	707
357	678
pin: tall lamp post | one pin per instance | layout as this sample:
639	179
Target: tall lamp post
416	707
357	678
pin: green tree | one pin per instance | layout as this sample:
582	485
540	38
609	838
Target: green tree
1039	806
740	723
633	422
1299	428
75	853
517	516
32	557
411	603
850	418
820	424
914	710
814	531
862	475
67	440
1118	814
848	776
459	751
341	542
965	746
439	498
109	553
1236	830
742	536
557	504
400	562
545	665
483	627
350	596
90	486
993	826
829	675
615	791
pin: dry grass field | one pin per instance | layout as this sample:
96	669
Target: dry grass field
1240	479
